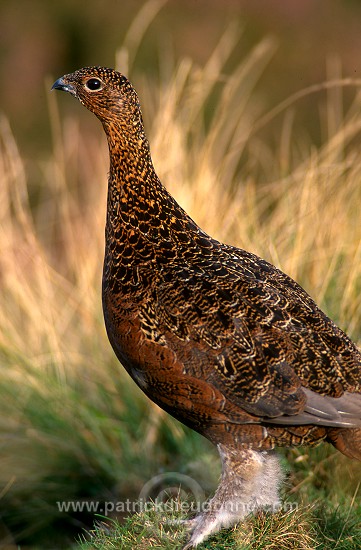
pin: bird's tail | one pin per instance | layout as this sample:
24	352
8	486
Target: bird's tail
346	440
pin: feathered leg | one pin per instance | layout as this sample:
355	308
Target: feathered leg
250	480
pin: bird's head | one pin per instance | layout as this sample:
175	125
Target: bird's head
105	92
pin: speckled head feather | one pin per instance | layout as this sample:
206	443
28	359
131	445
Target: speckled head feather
105	92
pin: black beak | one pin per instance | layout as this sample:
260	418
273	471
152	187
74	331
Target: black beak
61	84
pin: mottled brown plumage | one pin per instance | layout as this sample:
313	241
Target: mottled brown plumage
219	338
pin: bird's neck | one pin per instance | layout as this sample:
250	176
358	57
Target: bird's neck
133	184
145	225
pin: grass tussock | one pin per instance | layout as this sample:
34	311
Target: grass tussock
303	528
72	424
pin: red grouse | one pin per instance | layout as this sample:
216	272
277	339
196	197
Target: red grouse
219	338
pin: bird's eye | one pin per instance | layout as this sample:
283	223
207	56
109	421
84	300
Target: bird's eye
94	84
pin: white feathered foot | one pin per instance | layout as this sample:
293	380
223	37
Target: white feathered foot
250	481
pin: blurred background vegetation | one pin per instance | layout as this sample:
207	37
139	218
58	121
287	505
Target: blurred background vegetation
40	39
240	122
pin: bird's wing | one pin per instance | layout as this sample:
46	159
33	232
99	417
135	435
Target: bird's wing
324	410
259	338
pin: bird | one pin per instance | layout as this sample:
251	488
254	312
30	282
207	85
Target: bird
218	337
